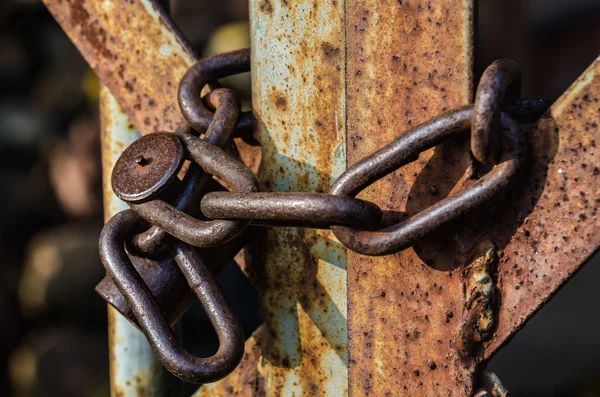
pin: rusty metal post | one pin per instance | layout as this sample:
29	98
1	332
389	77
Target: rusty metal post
298	70
333	81
407	61
134	369
391	65
298	90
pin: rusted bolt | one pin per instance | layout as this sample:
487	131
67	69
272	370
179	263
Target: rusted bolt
147	167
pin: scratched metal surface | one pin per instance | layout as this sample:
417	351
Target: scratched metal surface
134	370
407	61
136	51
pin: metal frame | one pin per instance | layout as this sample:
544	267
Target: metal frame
332	81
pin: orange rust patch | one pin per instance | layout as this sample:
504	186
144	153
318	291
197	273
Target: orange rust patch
279	100
408	61
330	52
245	381
266	6
90	30
136	53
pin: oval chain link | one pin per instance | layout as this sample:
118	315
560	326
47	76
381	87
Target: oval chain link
188	212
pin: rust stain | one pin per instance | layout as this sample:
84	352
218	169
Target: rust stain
130	356
407	61
245	381
479	312
136	52
112	340
330	52
279	100
555	217
266	6
298	100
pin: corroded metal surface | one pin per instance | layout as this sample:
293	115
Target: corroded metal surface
245	381
298	99
134	370
406	148
554	224
135	50
407	61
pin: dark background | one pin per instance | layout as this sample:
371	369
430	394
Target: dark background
53	326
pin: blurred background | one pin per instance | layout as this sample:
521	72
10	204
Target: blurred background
53	339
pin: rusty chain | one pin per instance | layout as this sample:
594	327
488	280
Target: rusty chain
166	212
149	315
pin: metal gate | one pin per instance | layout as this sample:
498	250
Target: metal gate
332	82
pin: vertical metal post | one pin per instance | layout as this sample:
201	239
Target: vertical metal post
134	369
407	61
392	65
298	91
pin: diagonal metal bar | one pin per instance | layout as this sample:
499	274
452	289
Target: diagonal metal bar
404	63
137	52
553	227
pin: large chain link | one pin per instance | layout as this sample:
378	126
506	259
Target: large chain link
164	209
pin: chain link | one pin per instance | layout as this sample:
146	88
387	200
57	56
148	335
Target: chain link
405	149
219	133
168	208
149	315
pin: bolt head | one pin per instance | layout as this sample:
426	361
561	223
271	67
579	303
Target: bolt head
147	167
